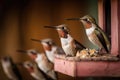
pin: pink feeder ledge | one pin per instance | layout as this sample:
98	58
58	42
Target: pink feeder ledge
87	68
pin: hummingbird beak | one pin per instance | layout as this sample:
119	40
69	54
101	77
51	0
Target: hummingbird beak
35	40
53	27
22	51
81	19
19	64
73	19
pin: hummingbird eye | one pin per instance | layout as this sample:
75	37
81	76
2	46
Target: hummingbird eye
6	58
28	64
62	28
85	19
48	43
32	52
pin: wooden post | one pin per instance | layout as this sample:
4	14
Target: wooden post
115	36
115	39
101	14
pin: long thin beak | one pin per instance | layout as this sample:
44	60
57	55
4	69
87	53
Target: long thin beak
53	27
73	19
19	64
22	51
36	40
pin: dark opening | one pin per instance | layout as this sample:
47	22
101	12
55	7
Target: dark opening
108	17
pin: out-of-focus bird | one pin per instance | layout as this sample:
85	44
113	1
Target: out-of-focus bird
94	33
69	44
10	68
33	70
50	48
42	62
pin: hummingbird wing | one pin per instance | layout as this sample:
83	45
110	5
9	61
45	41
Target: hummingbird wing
44	74
107	39
78	45
102	38
15	69
60	50
17	72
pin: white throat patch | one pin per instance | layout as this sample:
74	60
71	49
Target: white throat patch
90	30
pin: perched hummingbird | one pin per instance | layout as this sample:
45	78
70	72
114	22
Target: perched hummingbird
50	48
95	34
33	70
10	68
69	44
42	62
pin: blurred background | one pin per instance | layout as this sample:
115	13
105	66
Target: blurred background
21	20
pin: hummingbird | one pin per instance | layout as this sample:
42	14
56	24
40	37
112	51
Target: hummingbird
10	68
43	63
69	44
94	33
50	48
33	70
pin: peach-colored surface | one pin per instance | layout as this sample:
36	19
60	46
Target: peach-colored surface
87	68
101	69
65	67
